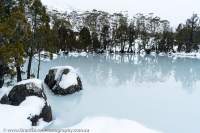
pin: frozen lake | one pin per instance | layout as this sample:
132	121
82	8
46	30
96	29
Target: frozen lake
158	91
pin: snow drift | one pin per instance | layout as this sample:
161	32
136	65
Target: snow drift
19	116
112	125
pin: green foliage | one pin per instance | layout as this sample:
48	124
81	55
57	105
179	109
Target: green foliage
85	38
95	42
188	34
13	33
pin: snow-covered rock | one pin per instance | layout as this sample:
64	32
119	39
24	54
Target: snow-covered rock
32	91
46	56
162	54
28	114
78	54
63	80
111	125
23	89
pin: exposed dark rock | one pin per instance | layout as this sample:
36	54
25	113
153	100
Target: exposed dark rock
46	113
148	51
66	53
50	78
100	51
70	90
34	120
5	100
111	51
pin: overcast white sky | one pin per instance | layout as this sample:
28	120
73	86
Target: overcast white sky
175	11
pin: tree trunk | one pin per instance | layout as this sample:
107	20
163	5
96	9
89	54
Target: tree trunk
19	77
130	50
38	71
121	46
29	66
34	23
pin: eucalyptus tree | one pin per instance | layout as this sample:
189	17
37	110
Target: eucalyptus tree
131	35
140	29
181	37
85	39
114	24
192	25
64	32
105	36
95	42
104	29
38	19
167	38
122	32
153	30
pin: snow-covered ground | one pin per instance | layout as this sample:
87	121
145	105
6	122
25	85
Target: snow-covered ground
112	125
15	117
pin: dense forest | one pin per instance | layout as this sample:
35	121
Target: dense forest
27	27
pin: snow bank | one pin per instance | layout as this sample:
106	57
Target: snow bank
186	55
111	125
17	116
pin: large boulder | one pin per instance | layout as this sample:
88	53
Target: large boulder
19	92
63	80
22	91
